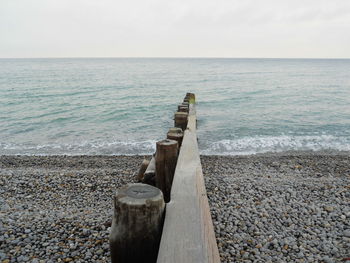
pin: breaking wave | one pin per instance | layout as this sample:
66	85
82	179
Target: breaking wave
263	144
242	146
83	148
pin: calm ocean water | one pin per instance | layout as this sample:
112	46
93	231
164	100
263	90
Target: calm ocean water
123	106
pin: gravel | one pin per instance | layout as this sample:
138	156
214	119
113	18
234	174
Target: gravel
280	208
59	209
265	208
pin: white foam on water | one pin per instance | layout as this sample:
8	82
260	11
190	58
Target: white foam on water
263	144
82	148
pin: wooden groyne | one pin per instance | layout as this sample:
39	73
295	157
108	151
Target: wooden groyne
187	234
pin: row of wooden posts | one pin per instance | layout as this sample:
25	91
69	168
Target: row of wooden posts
139	208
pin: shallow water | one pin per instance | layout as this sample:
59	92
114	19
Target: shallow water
122	106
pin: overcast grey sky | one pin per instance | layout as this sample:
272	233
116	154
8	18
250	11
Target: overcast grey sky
175	28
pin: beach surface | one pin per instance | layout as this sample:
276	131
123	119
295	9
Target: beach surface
287	207
291	207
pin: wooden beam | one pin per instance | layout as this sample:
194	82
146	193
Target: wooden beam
188	233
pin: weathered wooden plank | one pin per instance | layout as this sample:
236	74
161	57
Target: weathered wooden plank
188	234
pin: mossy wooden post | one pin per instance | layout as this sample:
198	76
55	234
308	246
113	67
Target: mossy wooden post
166	158
137	224
175	134
181	120
142	169
191	96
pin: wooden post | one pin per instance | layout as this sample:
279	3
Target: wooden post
137	224
185	104
166	158
181	120
190	96
182	108
142	169
175	134
150	173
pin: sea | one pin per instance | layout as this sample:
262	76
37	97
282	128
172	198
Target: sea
122	106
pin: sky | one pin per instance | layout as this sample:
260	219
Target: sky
175	28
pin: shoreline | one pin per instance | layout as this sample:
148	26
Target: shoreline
290	206
289	152
284	153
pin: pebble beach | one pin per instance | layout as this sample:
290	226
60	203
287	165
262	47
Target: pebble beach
291	207
280	208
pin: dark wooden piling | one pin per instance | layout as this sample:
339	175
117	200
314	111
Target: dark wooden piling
142	170
176	134
182	108
166	158
180	120
185	104
191	97
150	173
137	224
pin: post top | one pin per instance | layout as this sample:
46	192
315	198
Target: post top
181	114
141	191
175	130
166	142
137	195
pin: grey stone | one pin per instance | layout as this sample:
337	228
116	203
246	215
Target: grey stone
346	233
